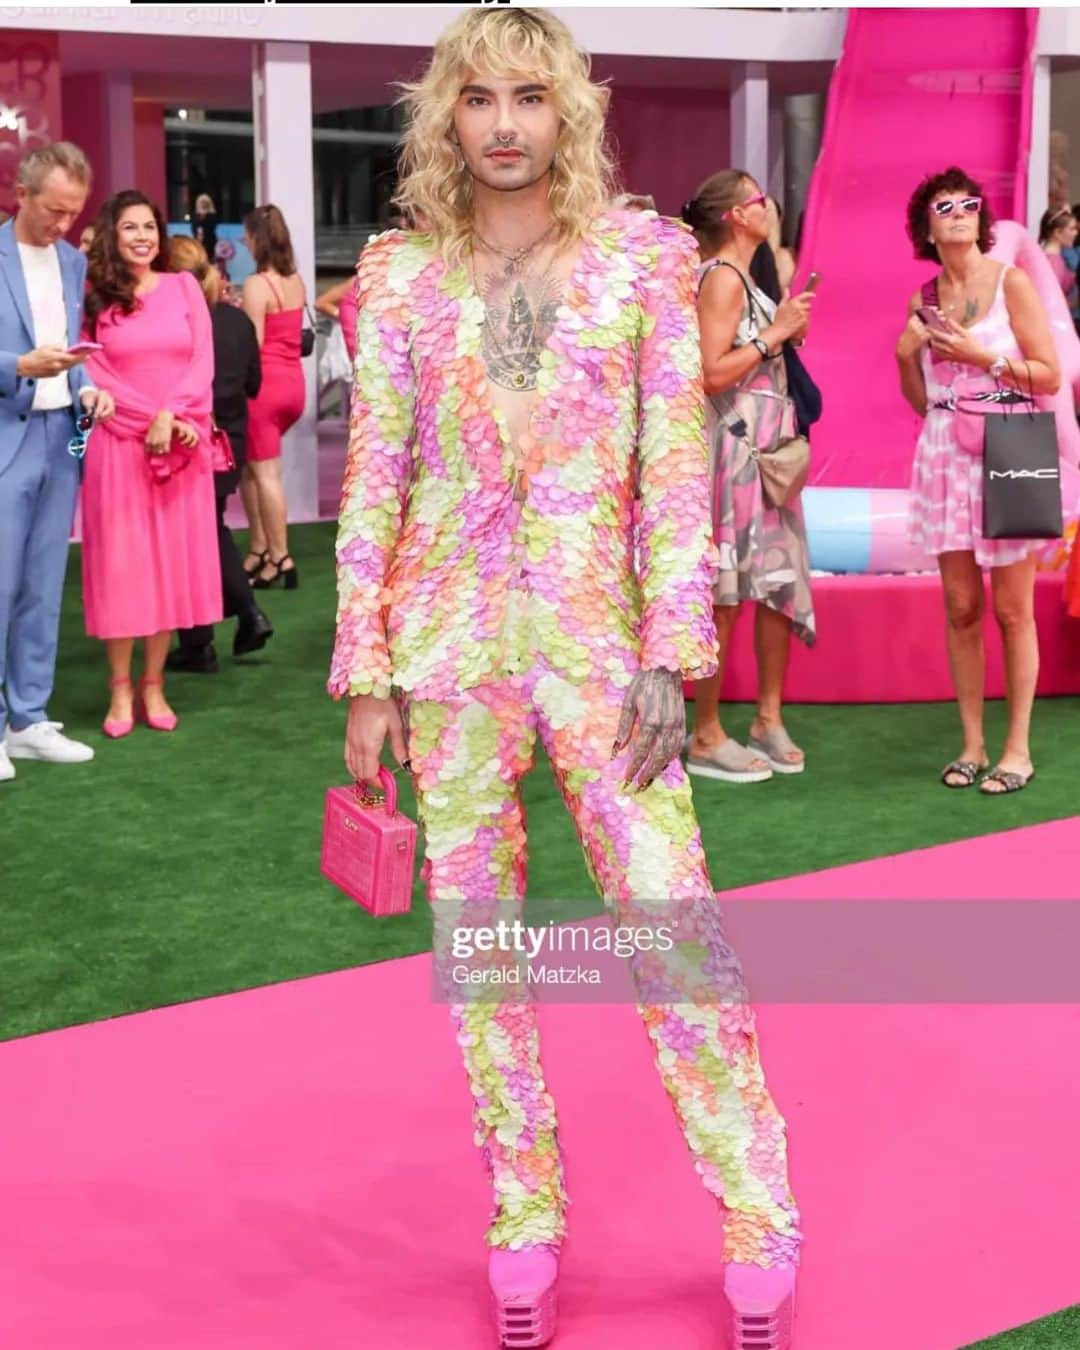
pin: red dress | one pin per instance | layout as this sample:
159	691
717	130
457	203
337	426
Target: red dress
281	398
150	549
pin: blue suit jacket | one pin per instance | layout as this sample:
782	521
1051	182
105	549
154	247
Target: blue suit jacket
17	336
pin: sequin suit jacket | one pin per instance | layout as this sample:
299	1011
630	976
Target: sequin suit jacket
612	541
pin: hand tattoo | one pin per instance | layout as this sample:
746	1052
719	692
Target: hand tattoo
654	702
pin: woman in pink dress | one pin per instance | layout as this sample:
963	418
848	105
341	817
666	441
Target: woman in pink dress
274	299
989	334
150	559
1057	232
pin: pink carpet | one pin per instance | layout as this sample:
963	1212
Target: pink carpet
292	1167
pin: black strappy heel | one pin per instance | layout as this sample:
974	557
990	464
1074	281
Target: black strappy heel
290	579
262	559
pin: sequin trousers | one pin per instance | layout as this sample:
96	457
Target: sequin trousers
468	756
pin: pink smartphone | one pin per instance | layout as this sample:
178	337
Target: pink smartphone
932	319
84	348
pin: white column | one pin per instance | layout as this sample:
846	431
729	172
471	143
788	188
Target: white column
284	175
776	185
1038	184
119	95
750	119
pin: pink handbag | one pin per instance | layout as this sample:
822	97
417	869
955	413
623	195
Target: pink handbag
222	459
369	846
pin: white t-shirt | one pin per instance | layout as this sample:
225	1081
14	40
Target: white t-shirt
45	287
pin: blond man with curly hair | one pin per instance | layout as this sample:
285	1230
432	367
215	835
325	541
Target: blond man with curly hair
525	551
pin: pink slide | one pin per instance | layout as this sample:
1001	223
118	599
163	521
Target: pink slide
895	115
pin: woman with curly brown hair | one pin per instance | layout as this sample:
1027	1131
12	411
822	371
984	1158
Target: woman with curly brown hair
988	333
150	559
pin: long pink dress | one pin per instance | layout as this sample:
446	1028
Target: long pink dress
150	549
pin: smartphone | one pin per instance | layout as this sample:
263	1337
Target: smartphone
812	281
932	319
84	348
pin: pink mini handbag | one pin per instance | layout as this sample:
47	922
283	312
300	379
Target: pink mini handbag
369	846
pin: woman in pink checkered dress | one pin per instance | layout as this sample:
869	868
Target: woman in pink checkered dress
988	332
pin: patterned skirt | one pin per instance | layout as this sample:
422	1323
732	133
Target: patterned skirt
763	550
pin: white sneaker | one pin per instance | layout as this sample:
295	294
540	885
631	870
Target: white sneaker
43	741
7	769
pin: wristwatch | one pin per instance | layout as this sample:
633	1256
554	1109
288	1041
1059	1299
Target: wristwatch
762	347
997	367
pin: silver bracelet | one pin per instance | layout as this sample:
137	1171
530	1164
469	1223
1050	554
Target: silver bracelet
997	367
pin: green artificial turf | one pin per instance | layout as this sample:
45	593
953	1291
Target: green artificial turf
175	867
1060	1332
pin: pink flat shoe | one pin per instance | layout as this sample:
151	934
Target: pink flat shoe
759	1306
523	1284
116	727
164	722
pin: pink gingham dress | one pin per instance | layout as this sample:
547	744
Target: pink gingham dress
946	481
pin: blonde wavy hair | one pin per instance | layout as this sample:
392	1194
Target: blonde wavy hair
433	184
188	255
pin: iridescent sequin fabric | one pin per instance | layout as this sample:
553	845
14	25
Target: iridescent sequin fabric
499	621
430	533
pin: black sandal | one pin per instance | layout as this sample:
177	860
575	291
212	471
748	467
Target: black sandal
967	768
261	559
289	577
1010	782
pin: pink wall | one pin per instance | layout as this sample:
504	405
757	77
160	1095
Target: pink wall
669	140
150	150
30	95
86	122
124	139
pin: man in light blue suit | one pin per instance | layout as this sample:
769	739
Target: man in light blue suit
43	390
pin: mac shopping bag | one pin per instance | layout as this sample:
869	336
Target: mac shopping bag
1021	477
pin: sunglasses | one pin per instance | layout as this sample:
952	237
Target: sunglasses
83	427
759	199
970	206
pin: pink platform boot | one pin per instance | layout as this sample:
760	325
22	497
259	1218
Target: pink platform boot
523	1285
115	727
759	1305
165	722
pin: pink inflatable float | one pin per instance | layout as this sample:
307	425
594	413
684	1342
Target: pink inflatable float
865	530
1013	244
